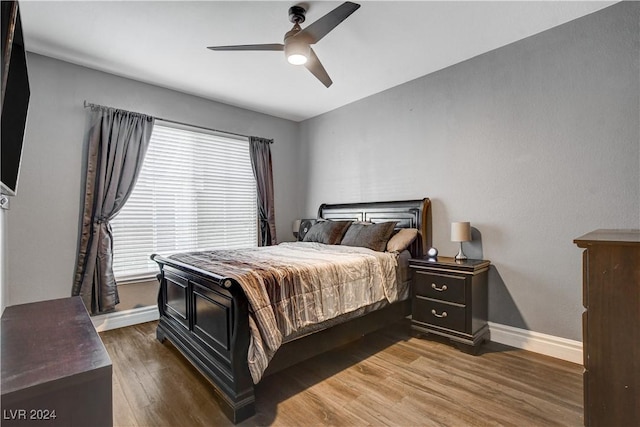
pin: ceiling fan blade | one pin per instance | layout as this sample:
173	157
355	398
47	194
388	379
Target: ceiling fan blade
320	28
313	64
274	46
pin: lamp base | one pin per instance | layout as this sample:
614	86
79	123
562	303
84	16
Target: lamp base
460	256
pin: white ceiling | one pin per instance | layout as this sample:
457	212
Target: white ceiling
383	44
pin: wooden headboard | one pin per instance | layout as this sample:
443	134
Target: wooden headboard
408	214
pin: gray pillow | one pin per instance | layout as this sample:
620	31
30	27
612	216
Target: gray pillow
374	236
327	232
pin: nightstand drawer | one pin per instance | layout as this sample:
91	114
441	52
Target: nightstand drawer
439	314
440	286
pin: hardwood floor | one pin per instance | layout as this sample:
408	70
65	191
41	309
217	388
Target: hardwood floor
387	378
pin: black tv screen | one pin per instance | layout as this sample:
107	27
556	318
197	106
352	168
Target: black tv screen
15	96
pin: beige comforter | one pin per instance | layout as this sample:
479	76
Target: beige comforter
292	285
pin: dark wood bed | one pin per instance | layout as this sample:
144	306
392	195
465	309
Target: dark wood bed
206	316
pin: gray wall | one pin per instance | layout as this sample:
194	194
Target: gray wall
535	144
42	225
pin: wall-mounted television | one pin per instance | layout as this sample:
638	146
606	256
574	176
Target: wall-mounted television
15	97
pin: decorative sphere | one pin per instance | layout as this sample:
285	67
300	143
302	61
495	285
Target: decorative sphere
432	252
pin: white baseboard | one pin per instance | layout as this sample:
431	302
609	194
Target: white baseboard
120	319
560	348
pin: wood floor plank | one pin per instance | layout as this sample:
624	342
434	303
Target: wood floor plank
390	377
122	414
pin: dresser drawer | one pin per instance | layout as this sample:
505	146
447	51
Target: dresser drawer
439	314
444	287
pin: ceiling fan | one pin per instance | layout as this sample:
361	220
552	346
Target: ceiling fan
298	41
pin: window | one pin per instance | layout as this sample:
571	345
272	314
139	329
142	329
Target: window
196	190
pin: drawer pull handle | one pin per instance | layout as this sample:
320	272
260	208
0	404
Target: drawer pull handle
443	288
444	313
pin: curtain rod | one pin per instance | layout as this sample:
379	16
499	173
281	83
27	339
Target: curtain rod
90	105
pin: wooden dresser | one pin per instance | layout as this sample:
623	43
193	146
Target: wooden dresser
55	369
611	327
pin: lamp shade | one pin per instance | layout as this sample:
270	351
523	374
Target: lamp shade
460	231
296	227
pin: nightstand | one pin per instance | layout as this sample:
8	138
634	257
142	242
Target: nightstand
450	299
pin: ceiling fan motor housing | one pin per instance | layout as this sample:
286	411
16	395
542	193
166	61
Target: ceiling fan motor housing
297	14
296	50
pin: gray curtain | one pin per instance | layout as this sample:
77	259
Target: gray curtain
261	161
116	145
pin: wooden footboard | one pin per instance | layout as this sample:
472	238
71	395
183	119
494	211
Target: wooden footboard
206	316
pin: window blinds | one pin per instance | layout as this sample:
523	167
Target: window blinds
196	190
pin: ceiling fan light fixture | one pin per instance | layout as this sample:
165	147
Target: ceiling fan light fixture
296	59
296	51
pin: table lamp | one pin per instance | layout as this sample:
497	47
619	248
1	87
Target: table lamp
460	232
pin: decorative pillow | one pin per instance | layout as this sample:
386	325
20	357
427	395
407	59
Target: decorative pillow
402	239
327	232
374	236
